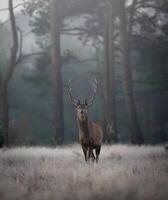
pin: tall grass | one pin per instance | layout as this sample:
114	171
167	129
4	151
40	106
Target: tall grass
123	173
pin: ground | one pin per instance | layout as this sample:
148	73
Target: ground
123	173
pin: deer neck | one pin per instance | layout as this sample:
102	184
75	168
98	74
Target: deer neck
84	128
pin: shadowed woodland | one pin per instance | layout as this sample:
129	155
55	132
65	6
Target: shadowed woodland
123	44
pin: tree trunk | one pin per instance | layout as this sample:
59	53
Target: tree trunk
6	77
109	86
58	109
136	134
5	115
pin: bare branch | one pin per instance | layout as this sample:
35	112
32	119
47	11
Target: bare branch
88	60
29	55
27	34
20	44
145	6
6	9
74	29
6	21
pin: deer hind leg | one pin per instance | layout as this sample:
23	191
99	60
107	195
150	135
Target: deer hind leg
98	148
90	153
93	156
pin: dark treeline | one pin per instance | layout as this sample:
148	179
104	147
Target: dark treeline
125	47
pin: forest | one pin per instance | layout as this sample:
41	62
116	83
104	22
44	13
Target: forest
121	44
83	99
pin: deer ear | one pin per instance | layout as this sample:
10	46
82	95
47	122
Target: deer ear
86	103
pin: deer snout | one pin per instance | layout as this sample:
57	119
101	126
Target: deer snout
82	112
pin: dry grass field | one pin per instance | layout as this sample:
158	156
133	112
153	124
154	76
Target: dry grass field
123	173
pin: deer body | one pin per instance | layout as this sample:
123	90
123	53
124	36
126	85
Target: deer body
90	133
90	138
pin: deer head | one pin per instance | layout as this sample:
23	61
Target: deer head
82	108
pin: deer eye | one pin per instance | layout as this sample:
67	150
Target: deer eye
82	112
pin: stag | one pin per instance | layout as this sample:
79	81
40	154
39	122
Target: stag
90	133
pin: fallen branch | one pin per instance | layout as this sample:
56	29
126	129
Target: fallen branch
6	9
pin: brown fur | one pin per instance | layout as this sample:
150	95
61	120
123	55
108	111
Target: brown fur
90	132
90	137
96	133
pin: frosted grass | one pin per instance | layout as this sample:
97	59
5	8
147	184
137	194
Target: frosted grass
123	172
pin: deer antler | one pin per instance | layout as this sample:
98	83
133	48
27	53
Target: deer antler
74	101
91	99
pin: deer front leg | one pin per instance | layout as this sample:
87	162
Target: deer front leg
98	148
85	152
